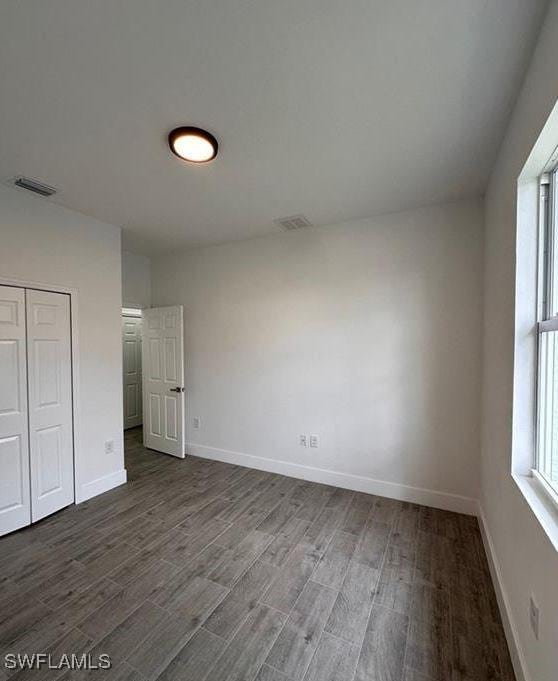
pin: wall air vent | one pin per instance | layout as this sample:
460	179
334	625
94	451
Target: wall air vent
34	186
293	222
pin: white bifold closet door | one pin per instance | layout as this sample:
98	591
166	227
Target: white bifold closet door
49	365
36	443
15	504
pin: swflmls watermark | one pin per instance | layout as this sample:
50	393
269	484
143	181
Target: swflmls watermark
69	661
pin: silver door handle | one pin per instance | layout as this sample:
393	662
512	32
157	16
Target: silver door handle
176	390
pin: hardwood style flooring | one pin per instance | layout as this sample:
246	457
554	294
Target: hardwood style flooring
198	570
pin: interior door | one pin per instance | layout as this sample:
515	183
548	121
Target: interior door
15	508
49	363
131	364
163	379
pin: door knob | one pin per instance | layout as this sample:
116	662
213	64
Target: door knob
176	390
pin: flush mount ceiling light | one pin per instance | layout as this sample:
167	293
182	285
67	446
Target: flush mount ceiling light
193	144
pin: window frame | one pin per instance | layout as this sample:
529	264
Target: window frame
547	322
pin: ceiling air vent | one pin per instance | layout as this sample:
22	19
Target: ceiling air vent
34	186
293	222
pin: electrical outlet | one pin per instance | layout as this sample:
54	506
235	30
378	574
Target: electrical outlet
197	422
303	440
109	447
534	617
314	441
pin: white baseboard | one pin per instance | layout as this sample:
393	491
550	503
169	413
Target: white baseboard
416	495
512	637
100	485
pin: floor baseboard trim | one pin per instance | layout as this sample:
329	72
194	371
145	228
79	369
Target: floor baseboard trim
100	485
357	483
510	630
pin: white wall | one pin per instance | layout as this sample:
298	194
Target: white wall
136	280
527	560
44	243
366	333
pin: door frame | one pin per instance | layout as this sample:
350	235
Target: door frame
74	342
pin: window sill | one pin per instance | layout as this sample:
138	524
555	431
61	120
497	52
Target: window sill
542	504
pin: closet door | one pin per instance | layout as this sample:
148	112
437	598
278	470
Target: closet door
50	402
131	364
15	510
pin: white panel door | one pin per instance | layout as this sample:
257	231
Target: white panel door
163	379
50	402
15	507
131	366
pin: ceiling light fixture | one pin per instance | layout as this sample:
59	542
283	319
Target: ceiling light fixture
193	144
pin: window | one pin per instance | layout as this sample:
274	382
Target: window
546	466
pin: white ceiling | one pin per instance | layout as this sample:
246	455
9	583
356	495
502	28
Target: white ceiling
336	109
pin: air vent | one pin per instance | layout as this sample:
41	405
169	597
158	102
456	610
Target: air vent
34	186
293	222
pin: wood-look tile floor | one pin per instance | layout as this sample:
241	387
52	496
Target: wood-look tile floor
198	570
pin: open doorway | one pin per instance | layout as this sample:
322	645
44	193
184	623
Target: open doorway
153	377
131	366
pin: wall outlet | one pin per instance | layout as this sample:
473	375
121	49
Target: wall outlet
303	440
534	617
197	422
109	447
314	441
